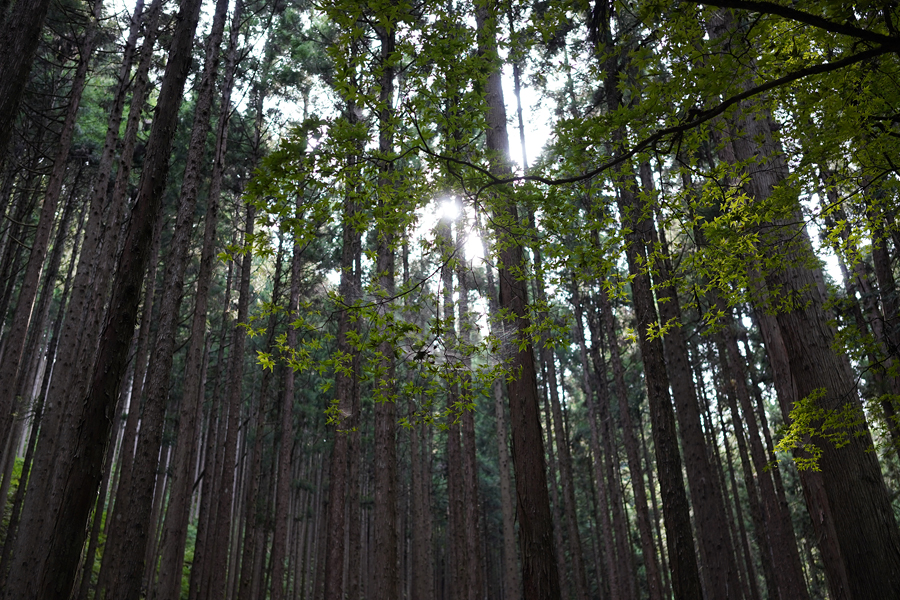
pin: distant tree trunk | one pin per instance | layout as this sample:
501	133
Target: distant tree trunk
601	407
178	512
631	451
540	578
556	511
511	580
286	441
208	478
14	339
225	495
331	565
474	536
54	575
617	587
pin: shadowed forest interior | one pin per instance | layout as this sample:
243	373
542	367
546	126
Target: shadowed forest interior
410	299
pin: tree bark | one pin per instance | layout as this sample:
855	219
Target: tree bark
540	578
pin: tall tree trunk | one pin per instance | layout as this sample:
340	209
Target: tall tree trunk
49	568
679	536
178	511
386	564
716	550
225	495
631	451
286	441
511	577
14	340
331	566
540	578
617	586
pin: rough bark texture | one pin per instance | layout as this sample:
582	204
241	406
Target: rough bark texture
631	451
53	573
178	512
540	578
679	536
14	339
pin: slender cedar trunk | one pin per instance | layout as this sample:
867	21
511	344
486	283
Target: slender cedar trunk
651	562
557	425
610	459
780	532
355	457
664	567
208	477
540	577
616	579
456	501
709	507
422	556
330	566
679	537
13	523
225	494
760	525
252	506
386	565
53	573
14	339
286	429
474	532
20	35
753	585
178	512
552	470
511	580
137	503
51	466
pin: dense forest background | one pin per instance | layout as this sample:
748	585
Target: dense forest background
282	315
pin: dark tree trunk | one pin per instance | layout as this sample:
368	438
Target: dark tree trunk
54	575
540	578
14	339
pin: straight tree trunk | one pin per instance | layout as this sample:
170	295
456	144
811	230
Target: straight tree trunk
631	451
679	536
14	340
330	572
286	441
617	585
53	573
386	562
225	495
178	511
511	576
540	578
